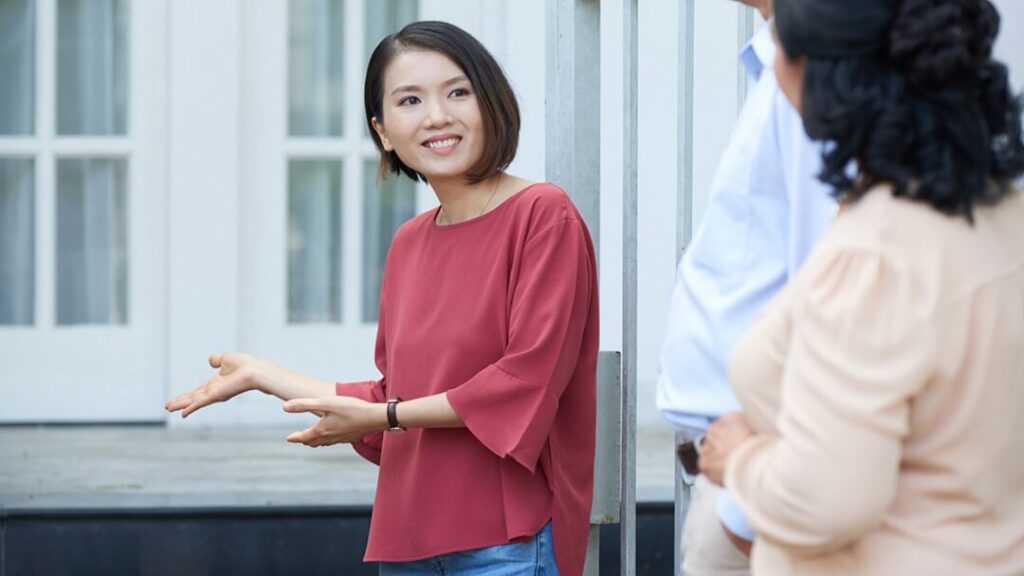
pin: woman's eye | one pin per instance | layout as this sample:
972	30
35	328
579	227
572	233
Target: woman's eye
460	92
408	101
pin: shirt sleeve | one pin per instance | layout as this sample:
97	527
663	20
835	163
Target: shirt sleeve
810	202
860	350
510	405
375	391
731	516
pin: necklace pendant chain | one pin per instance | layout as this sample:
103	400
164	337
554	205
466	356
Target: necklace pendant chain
494	191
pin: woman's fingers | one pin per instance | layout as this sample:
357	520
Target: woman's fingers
193	400
302	437
218	388
317	441
316	436
184	400
314	405
178	402
198	402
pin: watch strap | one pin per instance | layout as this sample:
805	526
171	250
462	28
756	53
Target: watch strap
392	410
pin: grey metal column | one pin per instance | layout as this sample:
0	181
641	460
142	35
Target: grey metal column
573	104
573	152
684	206
684	128
627	544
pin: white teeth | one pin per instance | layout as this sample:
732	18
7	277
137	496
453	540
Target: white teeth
443	143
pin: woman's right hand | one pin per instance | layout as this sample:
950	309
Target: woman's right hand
237	373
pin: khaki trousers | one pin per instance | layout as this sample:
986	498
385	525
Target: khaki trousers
707	551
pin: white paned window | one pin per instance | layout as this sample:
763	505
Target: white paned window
314	241
383	18
385	207
17	174
17	67
17	241
316	59
388	204
92	191
92	253
92	67
331	163
82	235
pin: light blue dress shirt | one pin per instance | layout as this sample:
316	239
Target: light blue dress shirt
765	212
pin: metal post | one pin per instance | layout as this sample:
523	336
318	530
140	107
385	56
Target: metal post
684	210
573	152
573	121
684	128
608	456
627	544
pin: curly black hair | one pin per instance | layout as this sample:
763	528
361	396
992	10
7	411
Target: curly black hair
909	91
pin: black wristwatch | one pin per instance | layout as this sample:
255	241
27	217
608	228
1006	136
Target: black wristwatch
689	455
393	425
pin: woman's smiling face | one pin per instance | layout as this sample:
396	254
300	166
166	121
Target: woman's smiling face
431	116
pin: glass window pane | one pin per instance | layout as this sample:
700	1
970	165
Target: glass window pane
314	241
17	241
92	241
92	67
385	208
315	62
17	66
383	18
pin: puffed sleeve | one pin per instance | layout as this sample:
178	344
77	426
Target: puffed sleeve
375	391
860	349
510	405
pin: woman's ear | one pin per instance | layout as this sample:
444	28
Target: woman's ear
379	129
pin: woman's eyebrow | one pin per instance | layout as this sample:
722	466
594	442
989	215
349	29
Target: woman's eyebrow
415	88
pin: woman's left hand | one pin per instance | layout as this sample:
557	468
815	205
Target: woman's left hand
343	420
720	439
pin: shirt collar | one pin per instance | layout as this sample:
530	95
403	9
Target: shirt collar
759	52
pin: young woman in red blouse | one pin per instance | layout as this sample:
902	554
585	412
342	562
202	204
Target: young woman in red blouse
483	419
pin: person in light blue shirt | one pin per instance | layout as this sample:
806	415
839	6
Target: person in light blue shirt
765	212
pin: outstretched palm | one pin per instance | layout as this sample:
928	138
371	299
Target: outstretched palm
236	374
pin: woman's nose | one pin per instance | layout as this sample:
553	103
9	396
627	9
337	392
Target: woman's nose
437	115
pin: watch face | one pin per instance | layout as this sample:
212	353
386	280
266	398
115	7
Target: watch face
689	457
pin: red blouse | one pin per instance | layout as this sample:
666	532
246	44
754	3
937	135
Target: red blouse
500	312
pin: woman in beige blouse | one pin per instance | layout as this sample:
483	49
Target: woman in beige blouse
883	390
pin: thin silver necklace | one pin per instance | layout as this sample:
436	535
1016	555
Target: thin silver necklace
447	221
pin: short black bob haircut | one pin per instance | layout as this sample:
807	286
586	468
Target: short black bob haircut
909	91
498	106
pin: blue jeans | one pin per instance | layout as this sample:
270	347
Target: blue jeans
533	557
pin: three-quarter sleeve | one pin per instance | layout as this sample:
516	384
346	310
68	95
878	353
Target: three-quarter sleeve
509	406
374	391
368	446
860	348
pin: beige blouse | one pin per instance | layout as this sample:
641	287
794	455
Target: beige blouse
887	384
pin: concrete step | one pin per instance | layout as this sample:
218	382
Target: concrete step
193	500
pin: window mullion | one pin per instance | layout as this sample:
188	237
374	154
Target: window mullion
352	223
352	241
45	201
355	70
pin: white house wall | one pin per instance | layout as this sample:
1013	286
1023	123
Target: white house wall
210	127
203	187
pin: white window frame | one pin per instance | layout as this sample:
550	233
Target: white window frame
94	373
